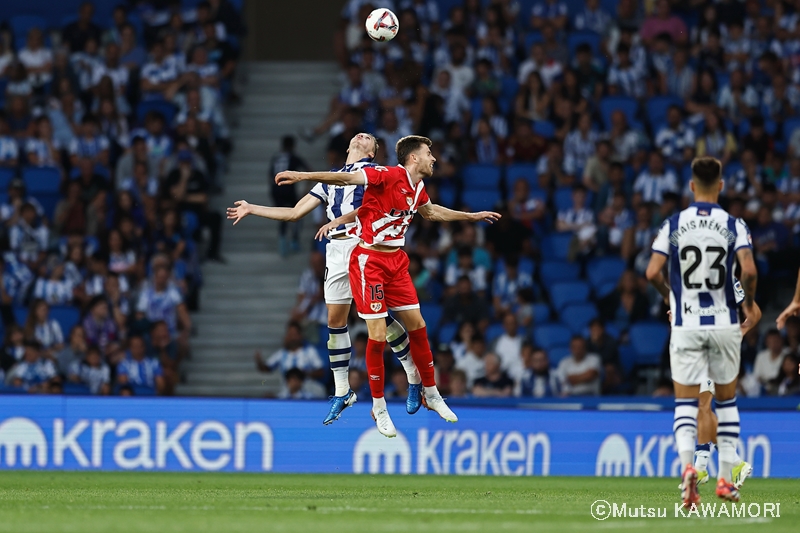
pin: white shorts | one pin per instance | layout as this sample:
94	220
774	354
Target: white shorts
699	355
337	271
707	385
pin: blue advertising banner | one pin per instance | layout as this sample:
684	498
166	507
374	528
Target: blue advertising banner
230	435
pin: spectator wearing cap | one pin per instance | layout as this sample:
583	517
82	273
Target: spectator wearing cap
35	373
138	370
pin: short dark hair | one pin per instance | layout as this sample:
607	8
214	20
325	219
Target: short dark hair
409	144
706	170
295	373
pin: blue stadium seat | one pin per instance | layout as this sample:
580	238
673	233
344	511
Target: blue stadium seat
432	313
20	314
576	38
541	313
552	272
627	358
167	109
140	390
20	26
546	336
626	104
480	200
526	265
557	353
6	175
563	294
476	107
447	195
66	316
604	269
789	125
75	389
605	289
45	180
532	38
657	107
544	128
577	317
481	177
522	171
509	87
562	198
190	223
648	340
556	246
448	332
493	332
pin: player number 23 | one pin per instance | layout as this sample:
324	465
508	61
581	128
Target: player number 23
717	265
376	291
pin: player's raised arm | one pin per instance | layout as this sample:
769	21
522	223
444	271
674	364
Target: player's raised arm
793	308
748	278
335	223
290	214
287	177
438	213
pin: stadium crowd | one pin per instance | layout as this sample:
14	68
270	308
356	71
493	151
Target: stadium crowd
577	120
112	140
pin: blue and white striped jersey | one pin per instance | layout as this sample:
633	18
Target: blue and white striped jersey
342	199
700	244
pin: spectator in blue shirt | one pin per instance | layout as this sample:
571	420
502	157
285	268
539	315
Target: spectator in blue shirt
35	373
92	372
139	370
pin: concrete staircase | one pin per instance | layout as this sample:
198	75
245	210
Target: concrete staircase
245	303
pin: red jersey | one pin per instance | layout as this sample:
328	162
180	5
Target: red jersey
389	204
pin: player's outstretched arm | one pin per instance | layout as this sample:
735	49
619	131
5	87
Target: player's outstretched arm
288	177
438	213
290	214
748	278
655	275
335	223
793	308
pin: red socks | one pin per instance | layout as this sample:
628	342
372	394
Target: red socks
422	355
375	367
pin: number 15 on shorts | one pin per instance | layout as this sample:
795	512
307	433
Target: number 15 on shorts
376	297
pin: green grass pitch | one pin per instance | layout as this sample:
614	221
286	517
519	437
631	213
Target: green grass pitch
89	502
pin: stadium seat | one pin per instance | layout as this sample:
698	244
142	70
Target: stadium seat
547	336
6	175
190	223
541	313
656	108
509	88
648	340
432	313
20	26
552	272
576	38
603	270
167	109
75	389
563	294
556	246
557	353
532	38
544	128
627	359
789	125
605	289
39	180
562	199
480	200
66	316
447	195
447	333
626	104
481	177
493	332
522	171
577	317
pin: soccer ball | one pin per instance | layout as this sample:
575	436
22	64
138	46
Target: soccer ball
382	25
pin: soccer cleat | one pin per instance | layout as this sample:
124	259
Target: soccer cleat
384	422
339	404
436	403
414	400
727	491
741	472
689	493
702	478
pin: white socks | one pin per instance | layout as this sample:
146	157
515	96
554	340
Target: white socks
339	355
685	428
378	403
727	437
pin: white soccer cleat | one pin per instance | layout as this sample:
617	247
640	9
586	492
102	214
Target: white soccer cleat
384	422
741	472
436	403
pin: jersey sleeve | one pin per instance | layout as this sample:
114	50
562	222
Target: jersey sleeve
661	243
375	176
319	192
743	237
423	197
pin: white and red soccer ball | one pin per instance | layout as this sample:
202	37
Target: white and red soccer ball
382	25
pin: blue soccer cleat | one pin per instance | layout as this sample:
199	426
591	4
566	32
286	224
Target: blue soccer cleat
414	400
339	404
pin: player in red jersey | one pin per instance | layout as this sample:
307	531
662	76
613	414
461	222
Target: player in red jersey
379	275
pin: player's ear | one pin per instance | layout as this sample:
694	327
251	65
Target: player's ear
721	185
691	186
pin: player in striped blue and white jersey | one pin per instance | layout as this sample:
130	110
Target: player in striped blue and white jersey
341	201
700	247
